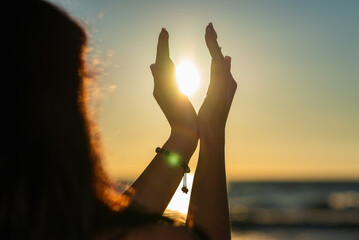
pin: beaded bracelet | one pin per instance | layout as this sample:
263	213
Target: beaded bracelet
175	160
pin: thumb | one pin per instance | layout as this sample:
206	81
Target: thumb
153	70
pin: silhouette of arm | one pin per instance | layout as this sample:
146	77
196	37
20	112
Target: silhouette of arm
155	187
208	208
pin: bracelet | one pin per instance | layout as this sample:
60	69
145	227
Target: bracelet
175	160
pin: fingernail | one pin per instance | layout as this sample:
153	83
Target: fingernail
210	24
228	58
163	30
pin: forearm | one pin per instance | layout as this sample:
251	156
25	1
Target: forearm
208	208
153	190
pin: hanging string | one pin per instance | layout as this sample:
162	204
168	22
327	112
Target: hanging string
175	160
184	188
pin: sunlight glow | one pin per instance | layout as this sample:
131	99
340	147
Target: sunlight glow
173	160
187	77
180	200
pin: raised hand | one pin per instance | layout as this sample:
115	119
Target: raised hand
215	108
155	187
208	209
175	105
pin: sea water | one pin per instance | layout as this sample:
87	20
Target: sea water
294	210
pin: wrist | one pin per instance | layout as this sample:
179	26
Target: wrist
189	132
211	127
211	122
212	134
187	136
183	143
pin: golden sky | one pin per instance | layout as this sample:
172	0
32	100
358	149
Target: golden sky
296	111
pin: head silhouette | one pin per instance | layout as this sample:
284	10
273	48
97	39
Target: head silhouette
52	185
47	162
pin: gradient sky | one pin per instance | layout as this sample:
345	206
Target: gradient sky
296	112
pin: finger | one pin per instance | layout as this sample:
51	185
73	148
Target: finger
220	75
212	44
162	47
154	74
231	90
231	86
220	71
153	70
228	61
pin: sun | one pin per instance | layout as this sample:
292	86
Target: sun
187	77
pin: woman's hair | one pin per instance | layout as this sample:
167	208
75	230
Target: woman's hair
52	185
47	161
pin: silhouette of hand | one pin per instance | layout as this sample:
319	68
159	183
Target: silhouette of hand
215	108
175	105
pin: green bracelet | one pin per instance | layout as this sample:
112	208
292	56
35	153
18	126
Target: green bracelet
175	160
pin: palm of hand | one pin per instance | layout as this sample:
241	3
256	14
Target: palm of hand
175	105
215	108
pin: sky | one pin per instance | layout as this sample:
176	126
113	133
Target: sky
296	111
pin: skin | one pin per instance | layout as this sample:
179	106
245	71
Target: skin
150	194
208	208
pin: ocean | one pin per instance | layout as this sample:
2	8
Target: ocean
294	210
286	210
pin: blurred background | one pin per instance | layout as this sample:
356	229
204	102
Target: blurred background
292	139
